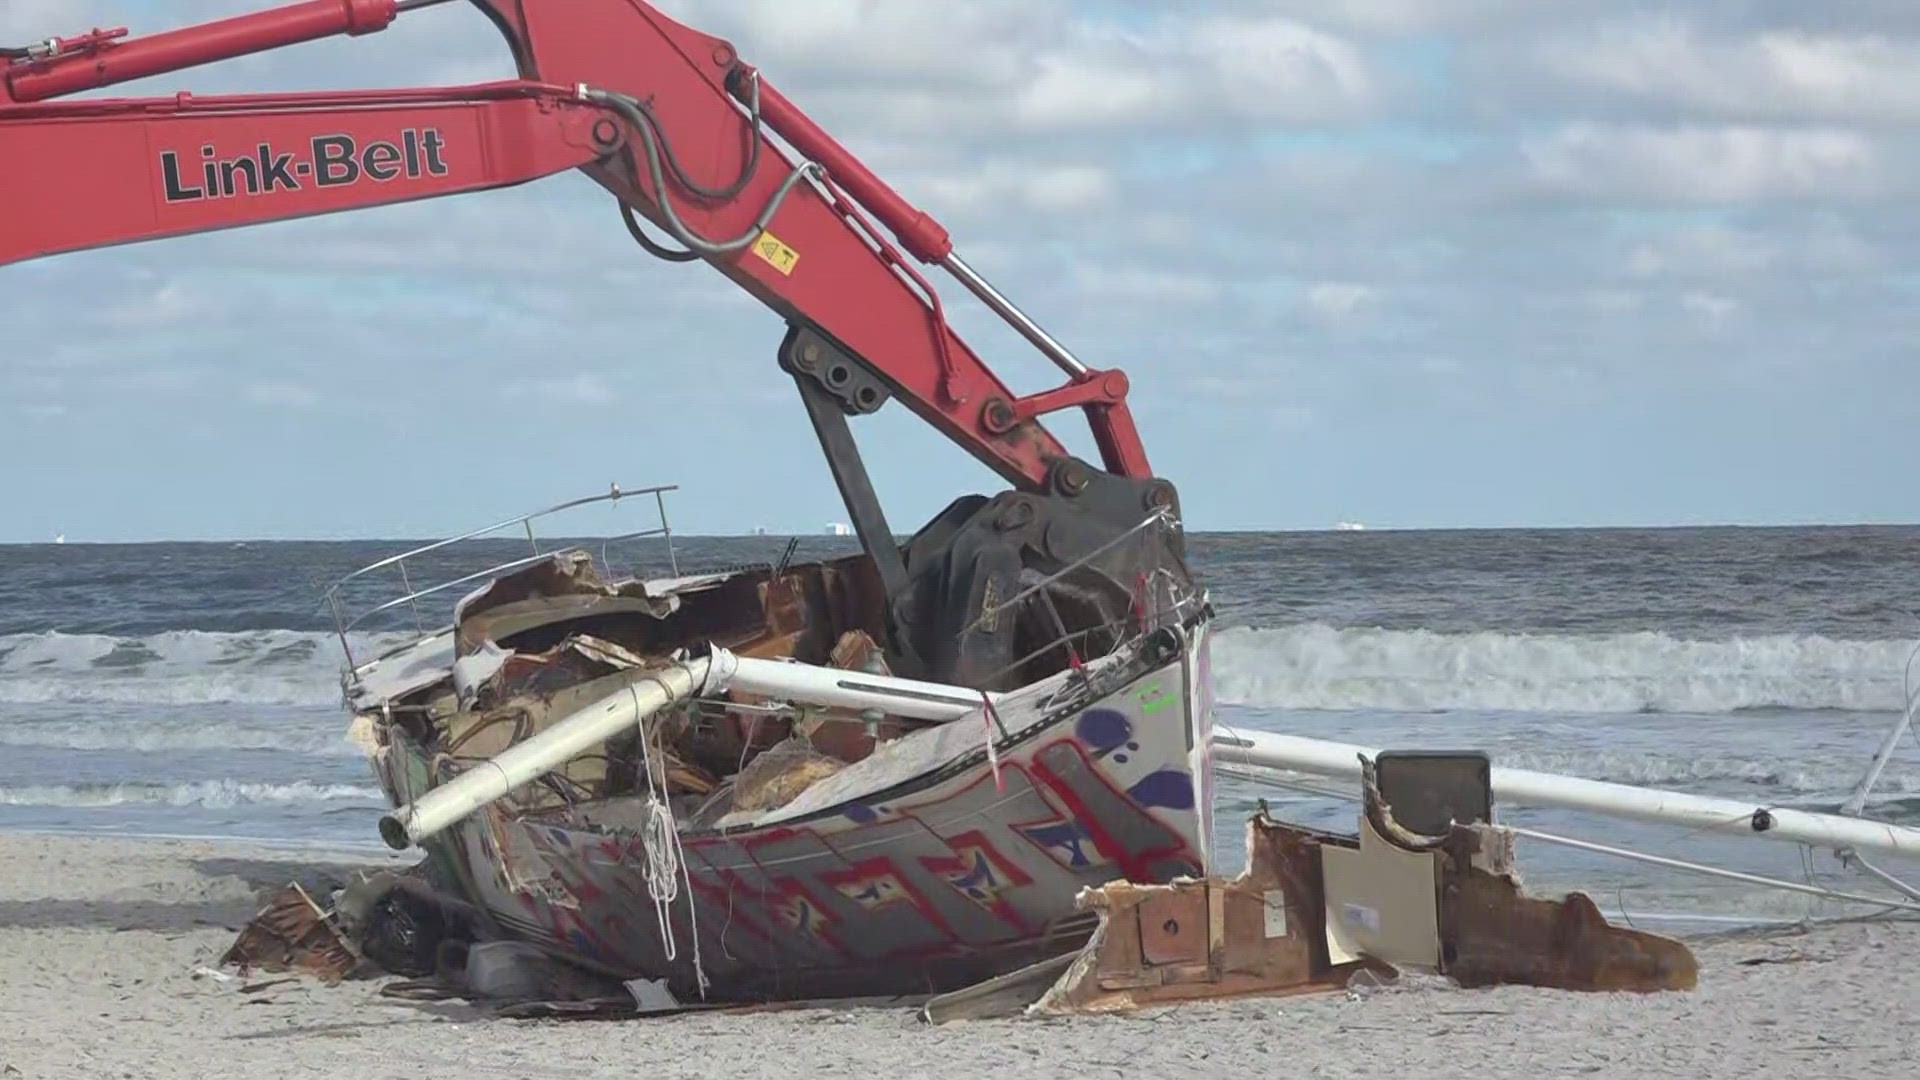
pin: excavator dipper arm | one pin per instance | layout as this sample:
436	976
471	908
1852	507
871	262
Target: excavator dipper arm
92	174
668	119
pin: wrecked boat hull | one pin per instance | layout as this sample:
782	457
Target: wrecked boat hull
839	784
959	871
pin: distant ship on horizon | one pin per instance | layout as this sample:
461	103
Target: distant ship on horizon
1349	526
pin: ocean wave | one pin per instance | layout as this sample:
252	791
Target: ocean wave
1312	666
180	667
1717	772
217	794
177	732
1322	667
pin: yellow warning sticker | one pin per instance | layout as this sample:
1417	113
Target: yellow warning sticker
778	255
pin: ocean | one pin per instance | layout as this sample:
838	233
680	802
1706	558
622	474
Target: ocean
193	689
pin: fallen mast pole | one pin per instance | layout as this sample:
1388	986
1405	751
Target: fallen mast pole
657	690
650	692
1702	813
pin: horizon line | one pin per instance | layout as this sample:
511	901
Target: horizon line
1341	529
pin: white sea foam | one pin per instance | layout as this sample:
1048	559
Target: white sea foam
1833	775
1322	667
181	729
205	793
180	667
1300	667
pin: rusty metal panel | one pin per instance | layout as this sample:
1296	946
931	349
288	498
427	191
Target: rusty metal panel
1493	933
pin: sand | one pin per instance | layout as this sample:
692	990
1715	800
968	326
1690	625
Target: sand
100	940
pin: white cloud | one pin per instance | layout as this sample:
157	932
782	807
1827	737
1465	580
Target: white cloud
22	21
871	41
1006	185
1194	70
1720	252
1375	216
1125	286
1710	307
1583	159
1400	16
1495	16
1779	73
1337	301
580	388
172	303
985	69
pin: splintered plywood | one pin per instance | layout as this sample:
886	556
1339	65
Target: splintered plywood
1382	902
1161	944
1312	909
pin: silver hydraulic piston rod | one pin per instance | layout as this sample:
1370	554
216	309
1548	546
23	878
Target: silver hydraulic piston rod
1016	318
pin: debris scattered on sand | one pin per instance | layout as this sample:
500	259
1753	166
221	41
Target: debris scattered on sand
293	933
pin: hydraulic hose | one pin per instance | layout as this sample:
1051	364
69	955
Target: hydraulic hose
654	247
733	190
641	119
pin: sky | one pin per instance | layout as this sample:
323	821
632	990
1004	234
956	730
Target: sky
1412	263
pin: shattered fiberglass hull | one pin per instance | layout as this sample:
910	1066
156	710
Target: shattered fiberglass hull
924	869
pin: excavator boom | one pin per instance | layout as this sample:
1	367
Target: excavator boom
668	119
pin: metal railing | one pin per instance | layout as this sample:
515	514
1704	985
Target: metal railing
345	623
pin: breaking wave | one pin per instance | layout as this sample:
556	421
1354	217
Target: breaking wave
217	794
180	730
1311	666
1325	668
179	667
1718	772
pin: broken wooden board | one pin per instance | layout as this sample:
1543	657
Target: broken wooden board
999	997
292	933
1259	934
1267	932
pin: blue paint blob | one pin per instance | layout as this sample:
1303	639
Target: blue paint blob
1133	746
1103	729
861	813
1121	758
1169	788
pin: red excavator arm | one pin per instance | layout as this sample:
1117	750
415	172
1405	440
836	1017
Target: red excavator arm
671	121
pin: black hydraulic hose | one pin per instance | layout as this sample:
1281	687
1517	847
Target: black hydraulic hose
654	247
753	150
636	114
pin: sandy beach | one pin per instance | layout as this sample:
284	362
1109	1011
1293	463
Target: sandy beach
100	940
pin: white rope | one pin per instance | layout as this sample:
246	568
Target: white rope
666	859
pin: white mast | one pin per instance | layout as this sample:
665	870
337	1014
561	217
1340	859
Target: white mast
1724	816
